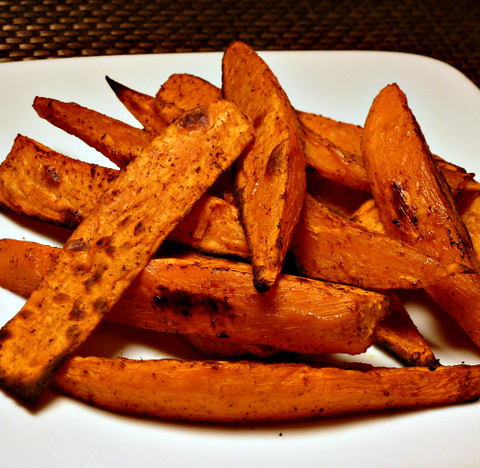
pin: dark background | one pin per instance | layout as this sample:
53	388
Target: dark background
446	30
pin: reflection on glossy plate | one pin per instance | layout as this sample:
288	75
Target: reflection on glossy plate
341	85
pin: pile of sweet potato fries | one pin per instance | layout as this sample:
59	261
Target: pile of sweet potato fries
258	233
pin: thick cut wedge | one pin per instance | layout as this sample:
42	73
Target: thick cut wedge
215	298
270	178
241	392
115	242
416	205
326	244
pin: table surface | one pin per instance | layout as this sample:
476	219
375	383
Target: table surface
446	30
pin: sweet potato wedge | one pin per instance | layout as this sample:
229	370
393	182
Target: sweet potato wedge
115	242
347	138
416	205
325	244
333	162
45	185
77	120
398	334
23	265
215	298
343	135
247	392
270	180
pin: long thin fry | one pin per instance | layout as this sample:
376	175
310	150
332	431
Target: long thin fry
153	114
212	297
398	334
115	242
118	141
241	392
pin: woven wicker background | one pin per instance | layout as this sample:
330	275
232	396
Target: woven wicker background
446	30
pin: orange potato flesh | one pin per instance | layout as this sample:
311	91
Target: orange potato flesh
325	244
115	242
247	392
270	180
212	298
416	205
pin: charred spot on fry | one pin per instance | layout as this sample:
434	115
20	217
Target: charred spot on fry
77	245
277	159
52	174
195	119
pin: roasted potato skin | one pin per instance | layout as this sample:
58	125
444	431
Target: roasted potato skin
240	392
270	178
214	298
415	203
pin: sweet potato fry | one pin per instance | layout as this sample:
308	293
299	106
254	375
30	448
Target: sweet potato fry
348	138
115	242
333	162
398	334
77	120
343	135
270	179
326	244
416	205
241	392
342	200
212	297
212	226
188	91
45	185
153	114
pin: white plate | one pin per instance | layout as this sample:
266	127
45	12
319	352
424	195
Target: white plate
342	85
